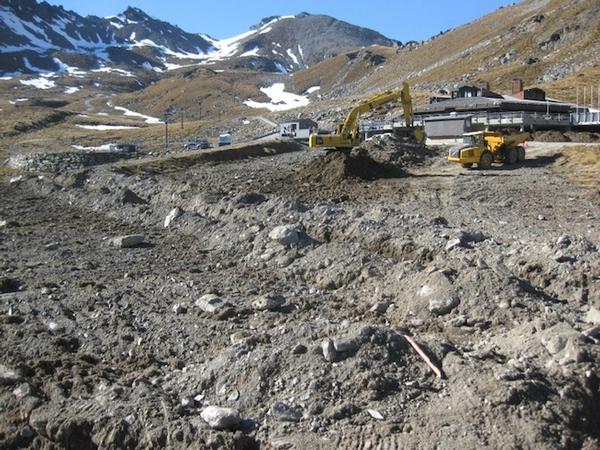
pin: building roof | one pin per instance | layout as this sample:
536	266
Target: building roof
506	103
450	117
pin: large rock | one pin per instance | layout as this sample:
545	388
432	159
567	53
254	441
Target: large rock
440	294
285	235
8	375
211	303
328	349
221	418
556	338
285	413
173	214
129	241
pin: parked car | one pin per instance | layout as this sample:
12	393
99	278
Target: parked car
199	144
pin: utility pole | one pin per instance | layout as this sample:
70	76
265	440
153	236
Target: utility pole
182	119
166	130
166	133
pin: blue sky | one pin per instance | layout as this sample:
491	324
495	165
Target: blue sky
397	19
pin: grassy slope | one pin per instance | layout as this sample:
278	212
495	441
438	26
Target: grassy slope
472	52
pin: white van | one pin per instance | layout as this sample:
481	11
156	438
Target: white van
224	139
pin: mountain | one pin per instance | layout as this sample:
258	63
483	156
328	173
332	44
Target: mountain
542	42
37	37
296	42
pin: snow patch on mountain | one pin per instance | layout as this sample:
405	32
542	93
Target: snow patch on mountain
147	119
105	127
39	83
121	72
280	100
294	57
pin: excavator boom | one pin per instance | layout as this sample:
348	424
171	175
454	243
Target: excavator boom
347	134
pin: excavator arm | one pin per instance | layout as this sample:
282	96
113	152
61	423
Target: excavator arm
347	134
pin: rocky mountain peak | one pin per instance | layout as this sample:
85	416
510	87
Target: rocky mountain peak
136	14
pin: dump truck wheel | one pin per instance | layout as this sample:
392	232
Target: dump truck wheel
521	153
486	160
467	165
512	156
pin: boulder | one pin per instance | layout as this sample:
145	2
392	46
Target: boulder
221	418
328	350
440	294
285	235
210	303
129	241
556	338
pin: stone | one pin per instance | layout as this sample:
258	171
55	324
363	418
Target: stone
210	303
221	418
299	349
8	375
564	241
15	180
328	350
22	391
268	303
172	216
345	345
555	338
453	243
440	294
129	241
179	308
380	307
375	414
285	413
472	236
285	235
593	316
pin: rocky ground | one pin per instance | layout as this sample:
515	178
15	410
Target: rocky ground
257	304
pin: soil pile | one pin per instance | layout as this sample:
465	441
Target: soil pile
583	136
550	136
398	151
336	166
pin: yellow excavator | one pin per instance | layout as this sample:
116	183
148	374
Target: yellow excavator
348	135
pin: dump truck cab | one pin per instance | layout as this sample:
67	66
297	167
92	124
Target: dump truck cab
485	147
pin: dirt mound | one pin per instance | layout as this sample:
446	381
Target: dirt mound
583	136
550	136
398	151
335	167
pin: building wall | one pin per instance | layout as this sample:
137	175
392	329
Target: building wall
447	128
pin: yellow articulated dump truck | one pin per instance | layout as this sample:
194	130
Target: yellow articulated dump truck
486	147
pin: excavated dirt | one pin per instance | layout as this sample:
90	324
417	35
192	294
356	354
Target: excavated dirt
288	301
570	136
337	166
